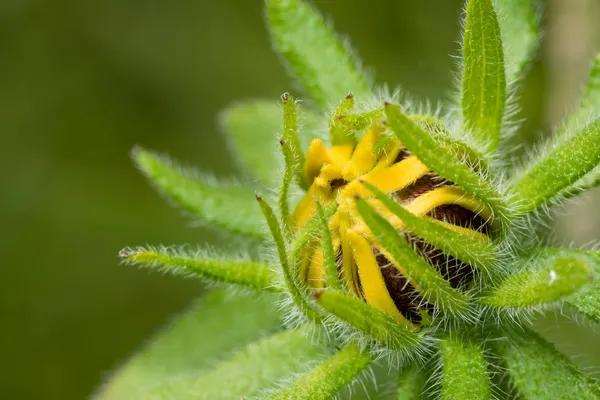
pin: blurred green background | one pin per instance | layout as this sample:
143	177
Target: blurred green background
81	82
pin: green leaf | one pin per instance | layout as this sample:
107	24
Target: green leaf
430	284
227	206
190	343
295	289
254	129
369	320
332	276
290	135
257	366
467	249
322	64
562	161
548	276
538	371
519	27
259	276
465	374
484	81
587	302
327	379
410	383
427	147
284	190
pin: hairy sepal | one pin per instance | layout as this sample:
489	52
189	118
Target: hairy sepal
211	267
587	301
430	283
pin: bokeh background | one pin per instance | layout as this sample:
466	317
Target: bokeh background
82	81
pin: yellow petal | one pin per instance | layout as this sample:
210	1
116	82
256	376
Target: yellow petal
306	209
340	155
316	156
316	272
364	158
349	271
372	282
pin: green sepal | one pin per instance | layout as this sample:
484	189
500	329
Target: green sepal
432	152
520	30
325	380
228	207
564	160
411	382
189	345
547	277
290	135
484	81
474	252
538	371
587	301
248	372
369	320
214	268
430	283
465	374
310	232
324	67
332	276
284	190
292	284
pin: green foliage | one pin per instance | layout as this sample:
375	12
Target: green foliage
538	371
369	320
189	345
484	81
463	315
465	374
431	285
327	379
238	376
321	63
259	276
548	277
225	206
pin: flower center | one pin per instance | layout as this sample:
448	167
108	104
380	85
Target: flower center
336	174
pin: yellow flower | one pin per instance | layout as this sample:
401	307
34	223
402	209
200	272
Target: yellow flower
366	269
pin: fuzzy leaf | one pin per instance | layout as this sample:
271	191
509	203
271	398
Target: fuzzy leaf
467	249
587	302
332	278
369	320
484	81
538	371
259	276
228	207
284	190
293	286
290	136
189	344
563	161
327	379
427	148
410	384
465	374
550	275
309	232
257	366
519	27
323	65
429	282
